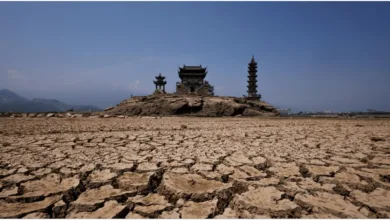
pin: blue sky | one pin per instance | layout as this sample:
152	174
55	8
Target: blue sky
311	55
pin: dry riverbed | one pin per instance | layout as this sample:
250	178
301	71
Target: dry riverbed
194	168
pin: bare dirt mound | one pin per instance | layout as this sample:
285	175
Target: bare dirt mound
191	105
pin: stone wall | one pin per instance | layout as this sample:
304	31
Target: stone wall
181	89
202	90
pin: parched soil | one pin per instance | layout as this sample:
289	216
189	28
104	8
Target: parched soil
178	167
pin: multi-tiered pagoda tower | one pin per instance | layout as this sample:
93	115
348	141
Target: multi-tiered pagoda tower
252	80
160	83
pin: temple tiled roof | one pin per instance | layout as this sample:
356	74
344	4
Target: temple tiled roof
192	68
192	71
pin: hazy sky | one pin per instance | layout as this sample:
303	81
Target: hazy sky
311	55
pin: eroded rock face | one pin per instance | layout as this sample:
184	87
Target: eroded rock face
183	105
265	200
192	186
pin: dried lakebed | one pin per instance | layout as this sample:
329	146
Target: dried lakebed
194	168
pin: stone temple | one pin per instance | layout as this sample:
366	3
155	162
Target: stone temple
192	81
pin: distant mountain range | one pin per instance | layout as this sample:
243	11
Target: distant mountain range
10	101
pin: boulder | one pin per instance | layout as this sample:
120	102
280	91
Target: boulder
50	115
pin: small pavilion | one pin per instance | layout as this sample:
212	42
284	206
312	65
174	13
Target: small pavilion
160	83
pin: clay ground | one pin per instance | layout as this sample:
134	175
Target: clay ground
194	168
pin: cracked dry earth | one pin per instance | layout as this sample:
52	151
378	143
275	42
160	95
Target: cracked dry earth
194	168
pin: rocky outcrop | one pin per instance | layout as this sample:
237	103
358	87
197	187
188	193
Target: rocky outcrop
169	104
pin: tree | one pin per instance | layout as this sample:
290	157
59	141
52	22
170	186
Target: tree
211	90
210	87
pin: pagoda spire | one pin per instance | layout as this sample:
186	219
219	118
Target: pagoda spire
252	80
253	59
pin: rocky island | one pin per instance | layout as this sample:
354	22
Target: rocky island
194	96
187	105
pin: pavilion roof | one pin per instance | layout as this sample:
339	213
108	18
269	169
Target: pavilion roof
192	68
